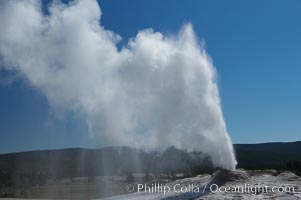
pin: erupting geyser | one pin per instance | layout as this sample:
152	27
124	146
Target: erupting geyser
157	91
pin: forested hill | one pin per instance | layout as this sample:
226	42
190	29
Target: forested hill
124	160
276	155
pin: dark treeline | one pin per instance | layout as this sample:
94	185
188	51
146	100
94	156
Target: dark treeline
34	168
278	156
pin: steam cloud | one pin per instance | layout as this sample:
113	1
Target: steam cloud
157	91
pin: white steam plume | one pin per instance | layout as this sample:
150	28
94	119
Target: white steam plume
158	91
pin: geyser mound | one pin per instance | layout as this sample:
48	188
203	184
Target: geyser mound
157	91
224	176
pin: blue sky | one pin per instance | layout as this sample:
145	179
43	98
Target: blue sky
255	46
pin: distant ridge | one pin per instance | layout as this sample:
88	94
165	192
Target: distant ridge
273	146
121	160
281	147
268	155
77	162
